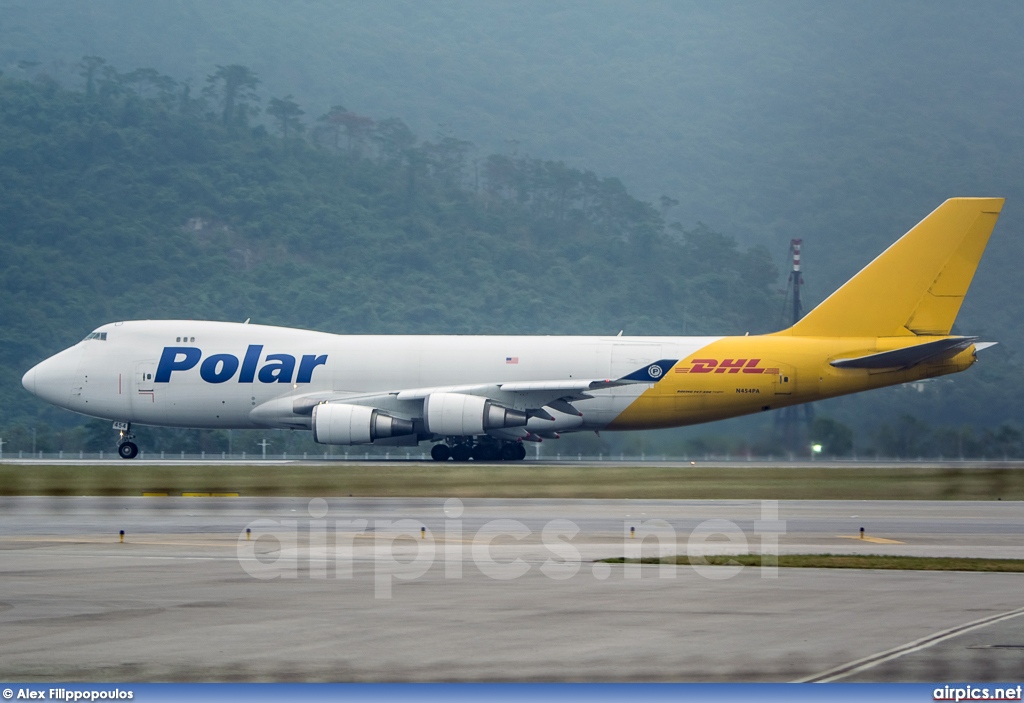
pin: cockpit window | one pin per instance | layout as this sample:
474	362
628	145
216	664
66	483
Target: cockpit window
102	336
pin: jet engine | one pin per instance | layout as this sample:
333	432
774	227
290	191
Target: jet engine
464	415
338	423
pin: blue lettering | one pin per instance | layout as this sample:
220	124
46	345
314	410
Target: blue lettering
280	372
252	357
169	362
220	368
226	363
306	366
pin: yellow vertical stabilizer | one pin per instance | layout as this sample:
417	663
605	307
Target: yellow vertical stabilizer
916	286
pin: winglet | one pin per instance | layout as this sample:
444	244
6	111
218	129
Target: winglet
916	286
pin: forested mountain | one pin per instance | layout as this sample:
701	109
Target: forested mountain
841	124
129	198
767	120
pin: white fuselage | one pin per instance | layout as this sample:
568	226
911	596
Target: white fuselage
203	374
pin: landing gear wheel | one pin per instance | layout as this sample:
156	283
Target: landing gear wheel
128	450
486	452
510	452
461	452
440	452
520	452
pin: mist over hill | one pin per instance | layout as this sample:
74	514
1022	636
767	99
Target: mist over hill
835	123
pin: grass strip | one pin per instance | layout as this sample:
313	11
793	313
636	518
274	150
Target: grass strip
837	561
125	478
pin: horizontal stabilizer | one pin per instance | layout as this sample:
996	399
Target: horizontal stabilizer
908	356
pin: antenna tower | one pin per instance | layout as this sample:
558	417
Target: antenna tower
794	423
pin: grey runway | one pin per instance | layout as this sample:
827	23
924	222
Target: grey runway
421	459
440	590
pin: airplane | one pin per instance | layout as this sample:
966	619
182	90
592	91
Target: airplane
481	397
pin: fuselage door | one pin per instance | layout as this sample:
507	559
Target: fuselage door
144	371
627	358
785	381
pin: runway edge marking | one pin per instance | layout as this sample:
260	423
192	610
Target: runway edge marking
869	662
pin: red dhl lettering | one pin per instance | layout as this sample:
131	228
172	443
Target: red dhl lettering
730	365
724	366
704	365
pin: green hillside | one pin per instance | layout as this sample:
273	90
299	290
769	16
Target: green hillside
767	120
132	199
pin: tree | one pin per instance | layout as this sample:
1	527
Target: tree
332	123
89	66
907	437
835	438
287	113
357	129
235	85
186	104
501	177
667	204
143	77
394	139
448	159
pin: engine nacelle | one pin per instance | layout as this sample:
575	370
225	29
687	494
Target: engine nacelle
463	415
338	423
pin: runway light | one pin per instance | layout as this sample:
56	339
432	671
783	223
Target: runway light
122	536
816	448
862	533
423	533
248	534
632	533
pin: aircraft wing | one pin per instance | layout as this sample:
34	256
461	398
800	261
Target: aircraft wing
530	397
648	374
534	395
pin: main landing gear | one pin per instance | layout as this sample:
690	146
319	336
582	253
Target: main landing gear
126	448
466	449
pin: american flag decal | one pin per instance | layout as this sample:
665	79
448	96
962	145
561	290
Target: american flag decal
511	359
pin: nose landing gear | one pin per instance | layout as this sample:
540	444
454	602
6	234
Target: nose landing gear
126	448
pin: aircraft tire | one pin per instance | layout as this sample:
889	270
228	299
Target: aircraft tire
128	450
440	452
461	452
520	452
486	452
510	451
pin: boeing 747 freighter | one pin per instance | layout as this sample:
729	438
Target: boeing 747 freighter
481	397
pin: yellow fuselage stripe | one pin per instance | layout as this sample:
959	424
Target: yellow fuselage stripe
741	375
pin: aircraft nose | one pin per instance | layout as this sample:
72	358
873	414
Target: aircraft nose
53	378
29	380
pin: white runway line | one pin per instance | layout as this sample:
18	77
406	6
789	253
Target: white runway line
869	662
